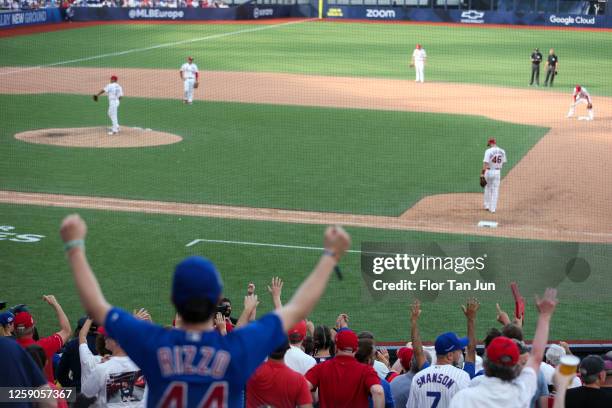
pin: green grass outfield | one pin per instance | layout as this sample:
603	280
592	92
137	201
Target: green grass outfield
496	56
338	160
277	156
134	255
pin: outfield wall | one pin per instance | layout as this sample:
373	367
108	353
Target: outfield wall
242	12
466	16
13	19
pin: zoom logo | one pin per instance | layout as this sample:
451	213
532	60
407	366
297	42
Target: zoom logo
380	13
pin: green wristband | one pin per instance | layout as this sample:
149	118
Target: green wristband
73	244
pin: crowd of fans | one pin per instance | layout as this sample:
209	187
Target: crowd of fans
207	356
65	4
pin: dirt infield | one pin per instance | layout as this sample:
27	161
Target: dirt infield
558	191
98	137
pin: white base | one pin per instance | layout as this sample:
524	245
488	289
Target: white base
487	224
584	118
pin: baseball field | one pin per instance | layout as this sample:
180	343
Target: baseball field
299	124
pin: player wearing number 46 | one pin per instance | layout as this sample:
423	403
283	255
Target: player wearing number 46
580	96
189	75
494	159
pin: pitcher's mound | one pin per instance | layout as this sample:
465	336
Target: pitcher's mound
98	137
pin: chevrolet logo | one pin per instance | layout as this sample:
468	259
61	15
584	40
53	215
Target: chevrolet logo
472	14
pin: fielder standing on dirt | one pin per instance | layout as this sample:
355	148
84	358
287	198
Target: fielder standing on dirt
189	75
490	176
419	57
581	95
115	93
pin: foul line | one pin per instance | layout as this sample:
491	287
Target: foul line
154	47
262	244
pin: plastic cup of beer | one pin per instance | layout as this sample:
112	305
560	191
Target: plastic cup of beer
568	365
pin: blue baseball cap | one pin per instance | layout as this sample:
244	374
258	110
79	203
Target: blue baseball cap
449	342
6	318
196	278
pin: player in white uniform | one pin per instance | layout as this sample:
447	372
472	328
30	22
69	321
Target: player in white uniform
419	56
581	95
114	92
436	385
494	159
189	75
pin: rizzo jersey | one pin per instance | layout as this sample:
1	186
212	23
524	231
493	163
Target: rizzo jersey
195	369
436	385
495	157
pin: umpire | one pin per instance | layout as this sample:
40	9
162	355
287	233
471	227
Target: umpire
552	67
536	58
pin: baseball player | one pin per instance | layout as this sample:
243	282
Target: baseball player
115	93
581	95
436	385
189	75
196	366
494	159
419	57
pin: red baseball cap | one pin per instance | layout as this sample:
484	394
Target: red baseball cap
405	356
297	332
503	351
418	46
24	319
114	78
578	88
347	340
491	141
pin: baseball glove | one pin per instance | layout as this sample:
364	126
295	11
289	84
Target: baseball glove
590	106
196	85
483	181
95	98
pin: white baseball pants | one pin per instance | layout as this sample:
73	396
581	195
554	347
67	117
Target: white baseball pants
419	67
491	190
188	89
113	107
576	103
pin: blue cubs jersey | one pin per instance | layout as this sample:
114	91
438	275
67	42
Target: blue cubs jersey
189	369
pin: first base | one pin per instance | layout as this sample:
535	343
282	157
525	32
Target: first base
487	224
